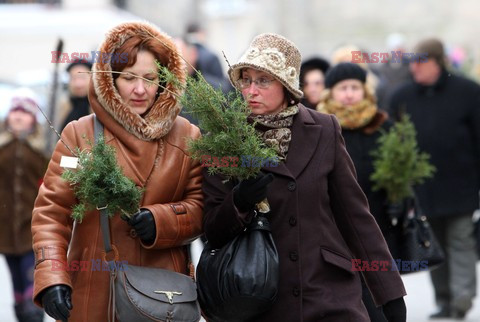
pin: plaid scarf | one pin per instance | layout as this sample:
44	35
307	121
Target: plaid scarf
275	129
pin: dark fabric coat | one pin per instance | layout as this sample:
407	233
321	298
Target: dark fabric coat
360	143
391	77
447	119
22	165
320	221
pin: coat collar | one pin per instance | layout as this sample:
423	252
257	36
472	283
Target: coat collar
35	140
305	137
430	90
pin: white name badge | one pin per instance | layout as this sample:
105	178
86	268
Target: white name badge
68	162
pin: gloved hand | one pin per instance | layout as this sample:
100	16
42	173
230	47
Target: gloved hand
251	191
144	225
395	310
56	301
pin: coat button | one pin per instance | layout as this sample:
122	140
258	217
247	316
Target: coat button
292	221
293	256
133	233
291	186
296	291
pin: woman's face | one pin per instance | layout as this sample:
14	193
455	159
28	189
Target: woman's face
313	85
269	98
79	81
135	92
20	121
348	92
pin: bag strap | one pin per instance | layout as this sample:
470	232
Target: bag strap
105	227
105	223
104	220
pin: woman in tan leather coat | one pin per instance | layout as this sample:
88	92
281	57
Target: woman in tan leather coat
140	122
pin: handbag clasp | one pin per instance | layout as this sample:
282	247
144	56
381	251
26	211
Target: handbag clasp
169	295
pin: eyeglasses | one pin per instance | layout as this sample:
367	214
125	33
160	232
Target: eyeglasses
261	82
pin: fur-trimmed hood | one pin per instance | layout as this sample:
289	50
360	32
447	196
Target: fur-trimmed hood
160	118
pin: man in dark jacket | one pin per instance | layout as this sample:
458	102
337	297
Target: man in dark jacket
77	104
445	109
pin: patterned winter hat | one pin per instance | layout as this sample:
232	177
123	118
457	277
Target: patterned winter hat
275	55
25	100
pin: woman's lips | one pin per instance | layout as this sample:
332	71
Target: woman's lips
253	103
138	102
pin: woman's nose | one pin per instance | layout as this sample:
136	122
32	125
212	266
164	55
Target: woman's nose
139	86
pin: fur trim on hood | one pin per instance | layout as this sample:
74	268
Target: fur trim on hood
161	116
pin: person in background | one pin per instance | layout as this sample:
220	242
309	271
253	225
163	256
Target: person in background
319	215
445	109
141	123
312	80
345	54
76	105
352	102
206	60
394	72
197	61
22	164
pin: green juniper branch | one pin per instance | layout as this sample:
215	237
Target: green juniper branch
398	163
99	182
226	131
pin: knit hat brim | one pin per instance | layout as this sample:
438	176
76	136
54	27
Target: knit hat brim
275	55
344	71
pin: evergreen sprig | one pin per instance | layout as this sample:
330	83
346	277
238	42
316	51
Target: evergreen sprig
99	182
398	163
226	133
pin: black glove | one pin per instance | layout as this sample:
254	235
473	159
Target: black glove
56	301
395	310
144	225
251	191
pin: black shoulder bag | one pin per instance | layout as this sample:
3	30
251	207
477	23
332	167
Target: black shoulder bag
419	243
240	280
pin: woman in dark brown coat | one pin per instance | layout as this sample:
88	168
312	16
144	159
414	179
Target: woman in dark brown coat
22	165
319	216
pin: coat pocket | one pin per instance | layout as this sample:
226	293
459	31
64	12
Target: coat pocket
337	260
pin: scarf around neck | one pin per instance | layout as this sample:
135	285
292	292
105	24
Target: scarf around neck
350	117
275	129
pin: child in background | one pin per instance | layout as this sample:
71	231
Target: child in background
22	165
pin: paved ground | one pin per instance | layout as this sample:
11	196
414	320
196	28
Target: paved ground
419	299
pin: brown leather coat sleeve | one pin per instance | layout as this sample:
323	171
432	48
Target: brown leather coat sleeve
51	221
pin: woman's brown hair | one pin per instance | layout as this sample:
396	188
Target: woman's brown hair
130	49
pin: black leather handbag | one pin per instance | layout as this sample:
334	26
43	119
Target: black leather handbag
240	280
419	244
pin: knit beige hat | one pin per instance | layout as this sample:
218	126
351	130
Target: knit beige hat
275	55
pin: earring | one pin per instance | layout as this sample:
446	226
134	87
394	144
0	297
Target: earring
292	102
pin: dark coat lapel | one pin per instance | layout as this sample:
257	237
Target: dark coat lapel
305	136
